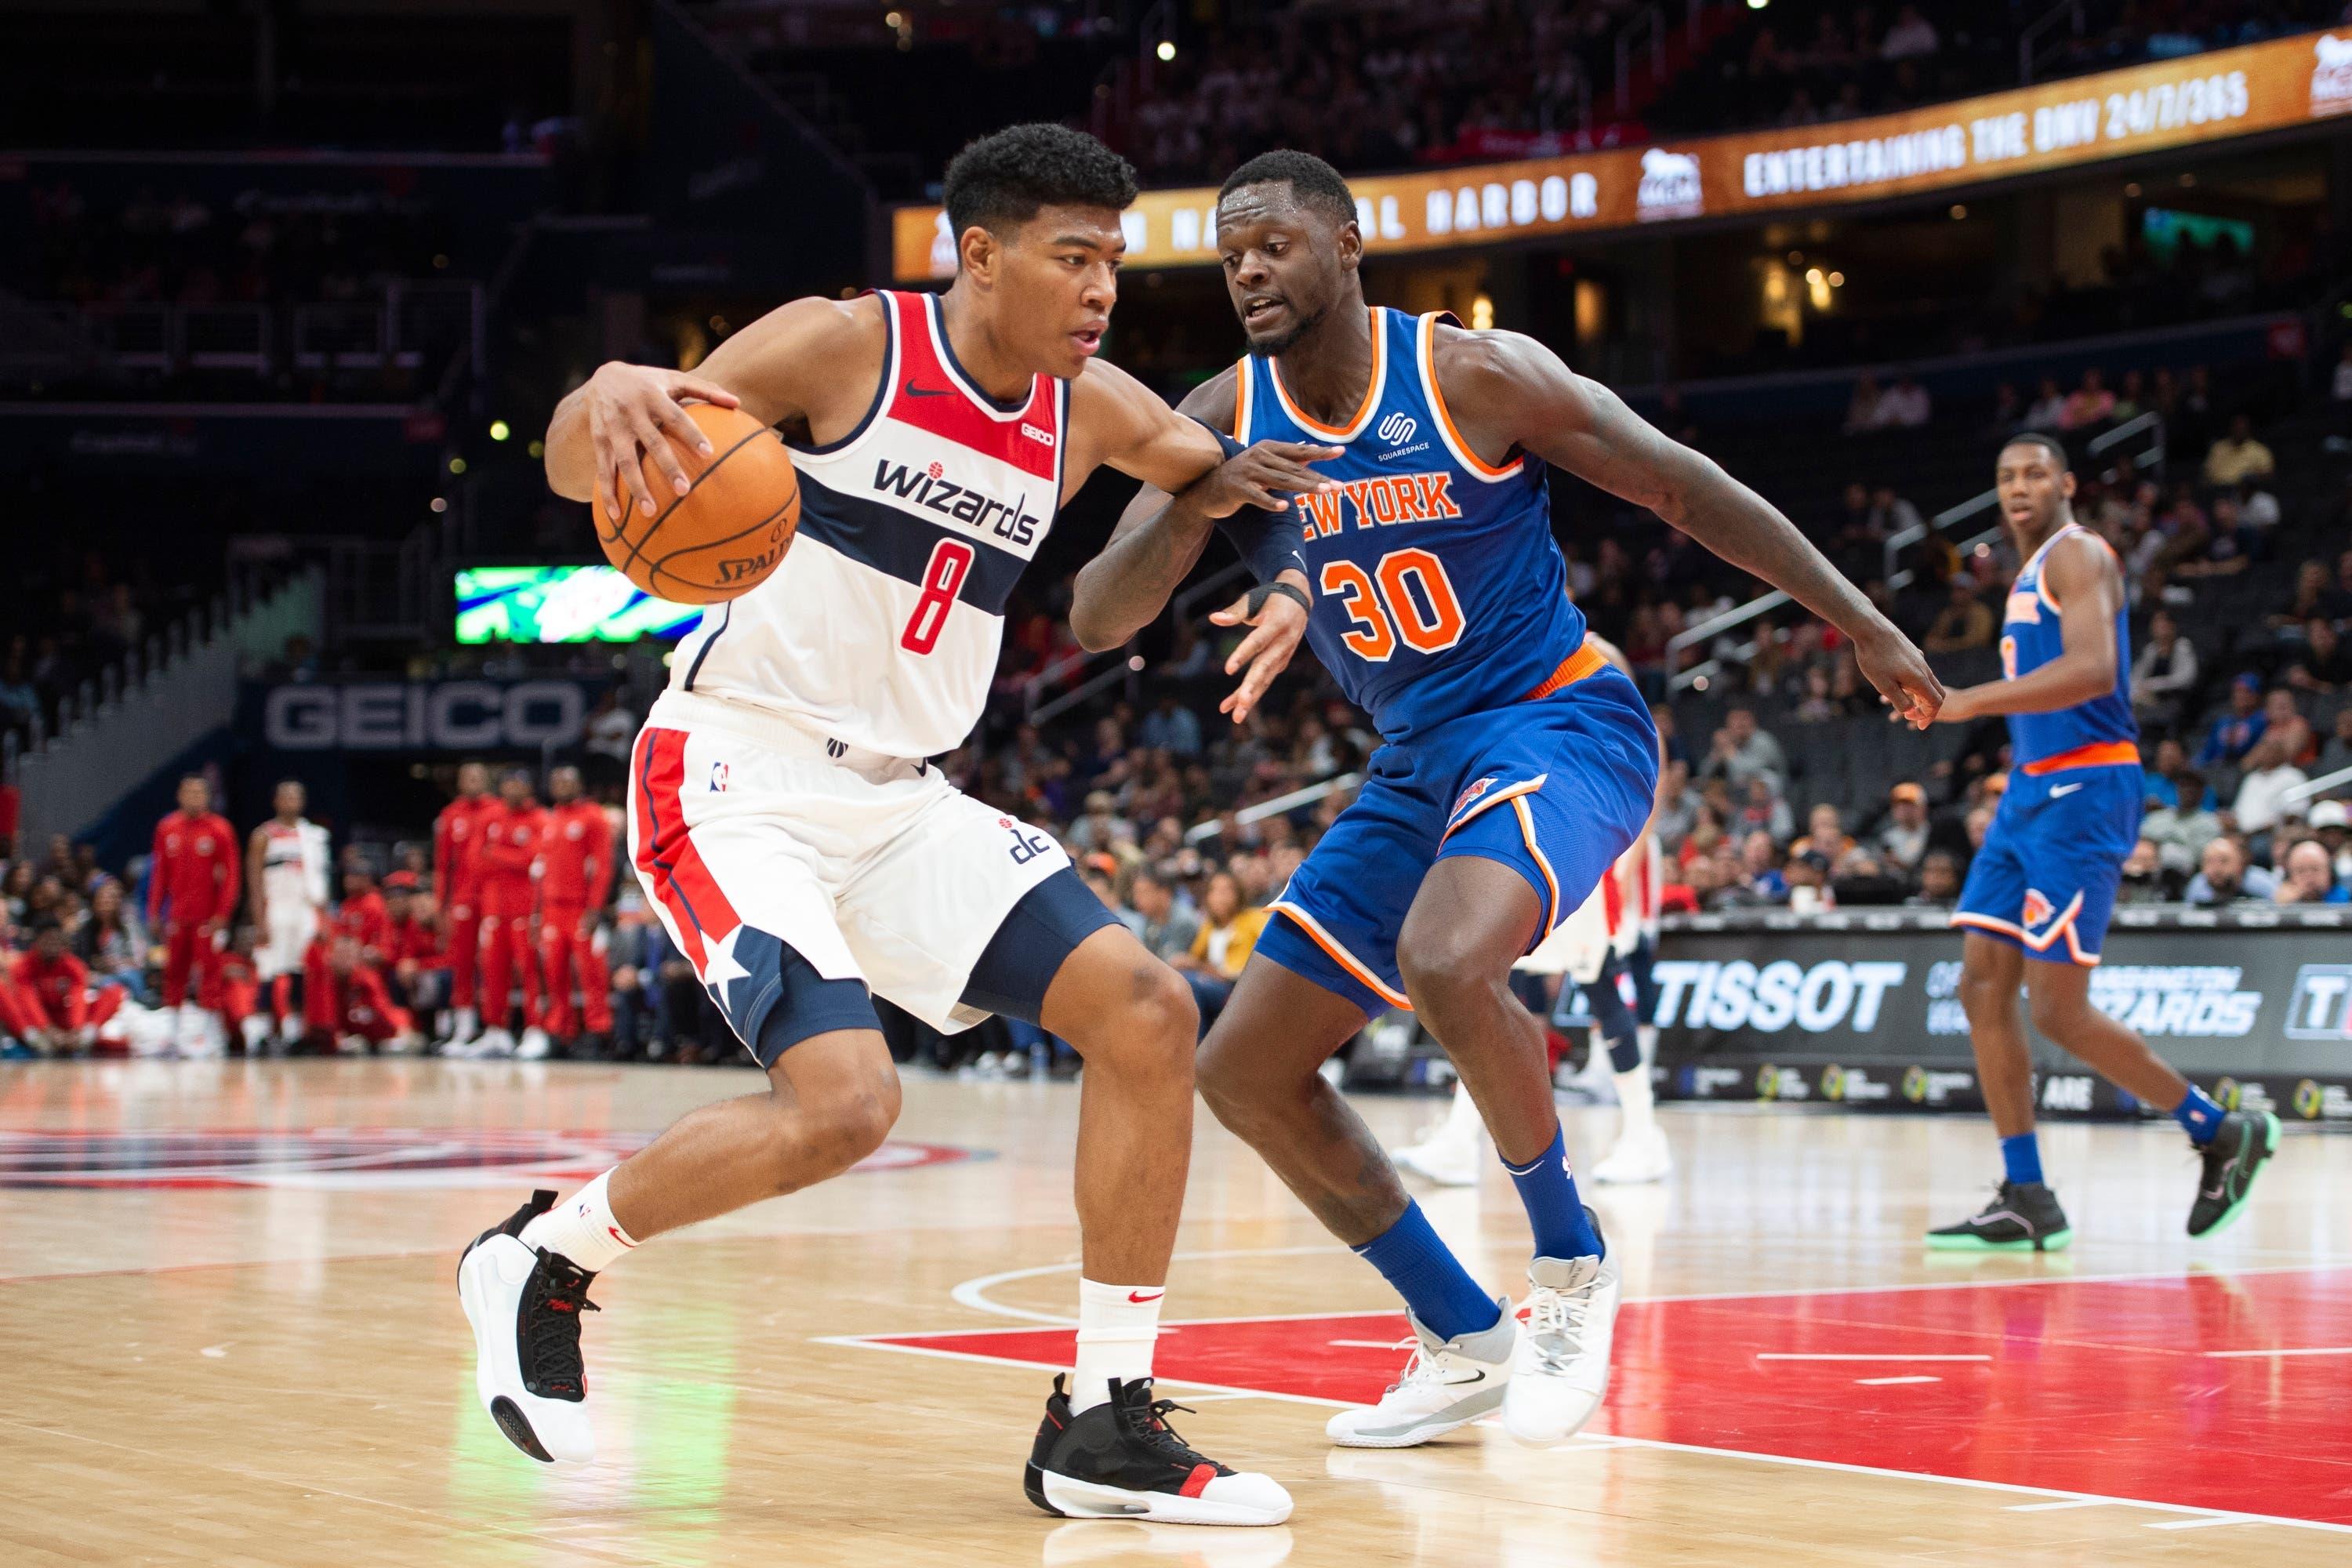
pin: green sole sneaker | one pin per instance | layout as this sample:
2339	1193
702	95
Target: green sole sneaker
2228	1178
1943	1241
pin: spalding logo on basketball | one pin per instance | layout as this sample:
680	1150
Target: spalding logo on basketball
347	1158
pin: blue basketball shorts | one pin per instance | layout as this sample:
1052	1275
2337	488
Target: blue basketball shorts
1556	788
2045	881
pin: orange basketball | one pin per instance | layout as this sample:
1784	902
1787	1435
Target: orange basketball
723	537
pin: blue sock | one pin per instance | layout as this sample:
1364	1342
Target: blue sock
2021	1158
1554	1211
2200	1115
1429	1276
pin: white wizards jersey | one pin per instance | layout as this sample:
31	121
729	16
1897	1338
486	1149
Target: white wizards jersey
880	628
294	863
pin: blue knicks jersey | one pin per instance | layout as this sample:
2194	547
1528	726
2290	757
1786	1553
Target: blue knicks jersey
1438	589
2029	638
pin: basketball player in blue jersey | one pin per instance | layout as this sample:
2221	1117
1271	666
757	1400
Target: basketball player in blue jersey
799	849
2038	896
1517	764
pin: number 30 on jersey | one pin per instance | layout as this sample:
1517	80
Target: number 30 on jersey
1405	598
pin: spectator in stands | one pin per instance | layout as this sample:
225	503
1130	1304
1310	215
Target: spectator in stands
1101	826
1171	727
1903	841
1740	751
1760	874
1168	928
1825	835
1940	880
2284	721
113	943
2224	877
1762	811
2311	877
1862	409
2237	456
2182	830
1228	934
2262	790
2235	729
1964	623
2331	824
2048	411
2339	400
2091	404
2147	878
1911	37
2165	672
1904	405
1806	878
2324	665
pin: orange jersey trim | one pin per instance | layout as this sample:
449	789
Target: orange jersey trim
1426	352
1372	391
2098	755
1586	660
1242	400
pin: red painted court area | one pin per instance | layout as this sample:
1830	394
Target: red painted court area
2158	1390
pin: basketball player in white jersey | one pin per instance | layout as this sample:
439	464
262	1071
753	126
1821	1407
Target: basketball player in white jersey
286	867
801	850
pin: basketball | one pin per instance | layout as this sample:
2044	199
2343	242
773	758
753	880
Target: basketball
723	537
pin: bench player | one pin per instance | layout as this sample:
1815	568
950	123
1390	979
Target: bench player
457	885
1517	765
2038	896
285	868
191	885
800	848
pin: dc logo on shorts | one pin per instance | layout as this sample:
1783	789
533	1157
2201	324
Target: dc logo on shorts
718	778
1397	428
2038	909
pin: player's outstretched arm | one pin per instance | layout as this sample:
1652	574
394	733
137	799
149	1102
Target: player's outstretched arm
2082	575
1515	391
798	361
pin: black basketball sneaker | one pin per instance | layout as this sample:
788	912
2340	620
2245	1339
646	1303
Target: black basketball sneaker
2240	1147
525	1304
2024	1216
1123	1460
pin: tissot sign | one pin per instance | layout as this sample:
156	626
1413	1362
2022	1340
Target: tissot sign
2201	97
1865	1010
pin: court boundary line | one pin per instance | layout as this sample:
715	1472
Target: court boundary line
1619	1440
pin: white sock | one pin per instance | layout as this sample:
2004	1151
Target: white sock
1117	1326
582	1227
1647	1035
1636	1101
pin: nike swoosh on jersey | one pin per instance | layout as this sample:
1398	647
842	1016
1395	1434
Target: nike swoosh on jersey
2064	789
914	391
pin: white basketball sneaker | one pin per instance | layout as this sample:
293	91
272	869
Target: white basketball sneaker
1562	1368
535	1044
1454	1154
1641	1154
488	1044
525	1304
1446	1383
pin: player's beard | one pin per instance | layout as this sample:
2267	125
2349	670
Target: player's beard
1281	342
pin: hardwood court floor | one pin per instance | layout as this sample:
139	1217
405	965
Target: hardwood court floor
232	1337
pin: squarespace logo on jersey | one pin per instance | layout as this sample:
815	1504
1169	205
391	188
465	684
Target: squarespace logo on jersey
1834	993
930	490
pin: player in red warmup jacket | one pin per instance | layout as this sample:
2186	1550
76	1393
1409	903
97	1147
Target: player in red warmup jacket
52	991
364	917
345	997
191	890
416	964
512	832
456	882
575	877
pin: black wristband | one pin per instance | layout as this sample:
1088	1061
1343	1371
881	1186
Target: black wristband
1265	591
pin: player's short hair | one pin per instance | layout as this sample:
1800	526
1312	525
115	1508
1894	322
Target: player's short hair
2049	442
1313	183
1003	178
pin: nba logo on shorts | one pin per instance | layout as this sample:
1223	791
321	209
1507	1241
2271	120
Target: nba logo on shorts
1397	428
2037	908
718	778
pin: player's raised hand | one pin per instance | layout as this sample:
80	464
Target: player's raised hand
1264	475
1277	621
1899	670
631	407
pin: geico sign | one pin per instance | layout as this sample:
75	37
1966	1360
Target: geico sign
1832	995
446	716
